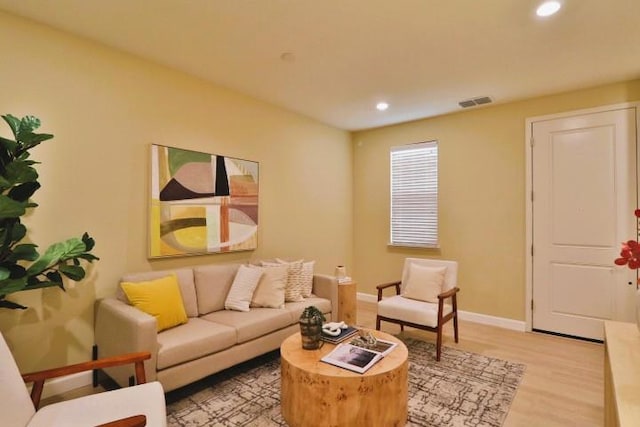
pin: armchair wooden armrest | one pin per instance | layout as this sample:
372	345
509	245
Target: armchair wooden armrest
451	292
134	421
383	286
38	378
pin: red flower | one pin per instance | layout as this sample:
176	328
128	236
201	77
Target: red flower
630	254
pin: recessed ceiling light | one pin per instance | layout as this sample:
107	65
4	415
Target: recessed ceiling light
548	8
381	106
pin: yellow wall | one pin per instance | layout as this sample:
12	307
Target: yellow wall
105	108
481	202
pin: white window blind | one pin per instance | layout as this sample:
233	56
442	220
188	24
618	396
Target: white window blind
414	195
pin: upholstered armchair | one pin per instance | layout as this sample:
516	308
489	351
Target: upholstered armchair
138	405
426	298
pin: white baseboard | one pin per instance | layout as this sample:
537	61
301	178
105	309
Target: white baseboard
500	322
367	297
485	319
64	384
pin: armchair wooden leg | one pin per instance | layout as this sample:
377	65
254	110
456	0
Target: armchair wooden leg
455	326
377	323
439	343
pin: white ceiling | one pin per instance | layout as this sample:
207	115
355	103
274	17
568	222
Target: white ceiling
421	56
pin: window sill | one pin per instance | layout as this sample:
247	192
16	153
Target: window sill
414	246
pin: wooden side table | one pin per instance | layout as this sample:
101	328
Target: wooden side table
347	303
317	394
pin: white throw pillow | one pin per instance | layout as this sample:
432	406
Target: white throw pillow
306	276
242	288
270	290
424	283
293	290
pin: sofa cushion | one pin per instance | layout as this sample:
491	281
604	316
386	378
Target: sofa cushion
295	309
185	280
270	290
294	287
212	284
424	283
304	278
242	288
307	278
252	324
410	310
160	298
194	339
100	408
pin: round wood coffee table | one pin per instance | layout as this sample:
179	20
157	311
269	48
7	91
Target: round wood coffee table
315	393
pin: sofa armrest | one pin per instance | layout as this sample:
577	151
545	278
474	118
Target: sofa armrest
121	328
325	286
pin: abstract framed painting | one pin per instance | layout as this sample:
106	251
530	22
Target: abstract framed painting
201	203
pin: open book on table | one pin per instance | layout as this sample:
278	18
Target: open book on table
358	359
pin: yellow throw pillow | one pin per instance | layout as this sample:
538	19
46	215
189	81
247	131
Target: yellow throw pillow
160	298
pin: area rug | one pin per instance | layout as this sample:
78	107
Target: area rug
463	389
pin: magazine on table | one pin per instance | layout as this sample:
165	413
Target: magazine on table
356	358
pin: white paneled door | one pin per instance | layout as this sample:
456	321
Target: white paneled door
584	194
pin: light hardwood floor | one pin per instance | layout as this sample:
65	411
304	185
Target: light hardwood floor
563	384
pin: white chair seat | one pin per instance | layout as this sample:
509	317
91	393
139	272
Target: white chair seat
146	399
410	310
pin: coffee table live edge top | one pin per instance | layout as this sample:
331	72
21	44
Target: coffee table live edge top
309	360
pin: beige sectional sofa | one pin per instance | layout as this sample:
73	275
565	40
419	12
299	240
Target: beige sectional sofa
212	339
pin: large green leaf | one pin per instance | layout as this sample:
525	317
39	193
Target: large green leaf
37	283
73	248
16	271
89	257
27	125
9	145
11	231
22	192
56	253
4	184
54	277
9	286
32	139
4	273
20	171
73	272
14	124
88	241
10	304
10	208
24	252
18	231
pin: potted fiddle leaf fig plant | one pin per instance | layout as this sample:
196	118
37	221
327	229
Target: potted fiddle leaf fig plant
22	268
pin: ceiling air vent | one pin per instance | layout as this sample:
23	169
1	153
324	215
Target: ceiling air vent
475	101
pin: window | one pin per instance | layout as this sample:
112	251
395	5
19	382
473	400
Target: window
414	195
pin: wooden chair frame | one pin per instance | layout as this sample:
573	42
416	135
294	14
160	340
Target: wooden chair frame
442	319
38	379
